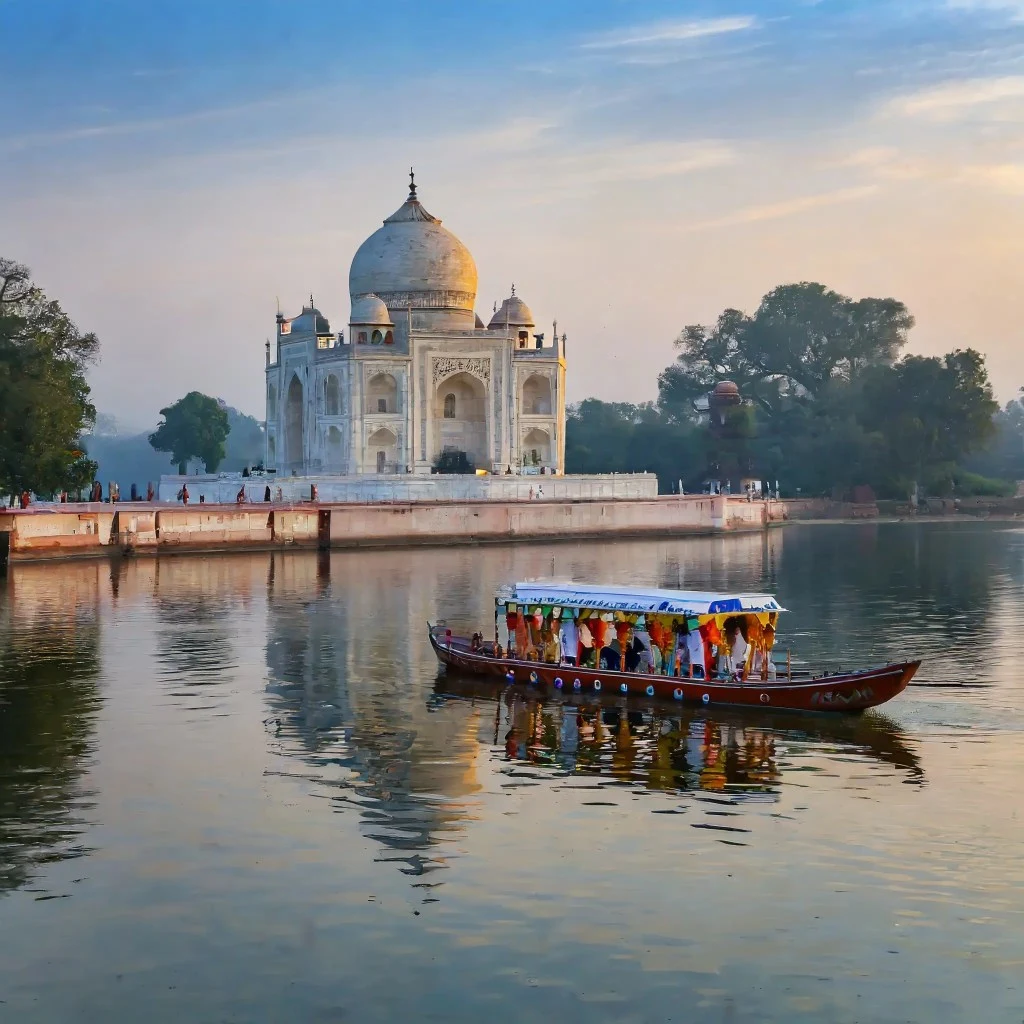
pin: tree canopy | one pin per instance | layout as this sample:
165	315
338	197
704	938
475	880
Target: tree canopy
195	427
617	437
828	405
928	414
802	339
44	396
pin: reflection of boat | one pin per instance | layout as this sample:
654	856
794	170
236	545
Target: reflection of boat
729	747
726	637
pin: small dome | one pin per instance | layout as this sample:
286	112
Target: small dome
726	393
369	309
513	312
310	320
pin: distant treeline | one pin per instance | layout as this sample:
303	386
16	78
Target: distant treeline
830	407
130	458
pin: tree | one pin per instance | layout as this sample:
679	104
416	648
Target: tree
932	412
617	437
1003	458
44	396
802	339
246	440
195	427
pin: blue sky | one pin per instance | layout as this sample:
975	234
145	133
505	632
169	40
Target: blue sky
169	169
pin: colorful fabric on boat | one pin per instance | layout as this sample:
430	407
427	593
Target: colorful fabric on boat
586	639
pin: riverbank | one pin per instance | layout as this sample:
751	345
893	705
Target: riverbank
95	530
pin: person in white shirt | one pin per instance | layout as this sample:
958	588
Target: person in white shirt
738	649
695	649
568	637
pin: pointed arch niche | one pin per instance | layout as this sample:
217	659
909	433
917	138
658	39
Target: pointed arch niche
293	425
460	418
536	396
382	451
382	394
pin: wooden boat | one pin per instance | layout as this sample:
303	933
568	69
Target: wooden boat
534	609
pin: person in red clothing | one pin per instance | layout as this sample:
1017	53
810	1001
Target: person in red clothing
184	494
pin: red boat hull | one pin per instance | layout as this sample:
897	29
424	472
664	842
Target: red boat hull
842	692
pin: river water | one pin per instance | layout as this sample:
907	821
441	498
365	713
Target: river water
236	789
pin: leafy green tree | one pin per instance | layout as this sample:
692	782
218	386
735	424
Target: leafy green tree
1003	458
195	427
44	396
245	443
931	412
802	339
617	437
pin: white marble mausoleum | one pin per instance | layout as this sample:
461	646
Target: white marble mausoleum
416	371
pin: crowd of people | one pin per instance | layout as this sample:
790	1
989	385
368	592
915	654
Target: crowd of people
734	647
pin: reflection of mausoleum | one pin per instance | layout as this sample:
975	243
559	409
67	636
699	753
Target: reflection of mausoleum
417	372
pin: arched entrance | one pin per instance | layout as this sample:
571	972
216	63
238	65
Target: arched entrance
293	425
537	448
536	396
460	419
332	396
334	449
382	451
382	394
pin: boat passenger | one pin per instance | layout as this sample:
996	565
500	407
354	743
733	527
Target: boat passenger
643	638
551	649
695	654
586	646
637	658
657	662
611	660
739	648
568	639
476	643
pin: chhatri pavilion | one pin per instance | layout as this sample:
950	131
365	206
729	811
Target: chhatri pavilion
416	373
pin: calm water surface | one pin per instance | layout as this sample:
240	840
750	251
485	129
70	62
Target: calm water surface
237	789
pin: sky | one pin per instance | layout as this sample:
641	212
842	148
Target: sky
170	170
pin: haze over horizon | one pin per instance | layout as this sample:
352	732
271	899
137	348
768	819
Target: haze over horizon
171	169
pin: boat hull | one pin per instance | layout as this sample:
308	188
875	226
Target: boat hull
838	693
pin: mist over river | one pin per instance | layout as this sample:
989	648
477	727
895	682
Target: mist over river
237	788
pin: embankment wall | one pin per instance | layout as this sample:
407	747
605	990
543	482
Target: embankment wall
76	531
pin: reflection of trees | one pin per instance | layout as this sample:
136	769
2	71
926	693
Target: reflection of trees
887	590
48	703
193	640
195	601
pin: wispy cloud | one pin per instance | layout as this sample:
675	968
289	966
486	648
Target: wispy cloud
673	31
14	143
951	99
1014	8
787	208
1006	178
645	161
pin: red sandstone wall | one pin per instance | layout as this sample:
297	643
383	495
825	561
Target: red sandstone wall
42	533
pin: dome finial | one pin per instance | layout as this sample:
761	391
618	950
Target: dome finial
513	289
412	185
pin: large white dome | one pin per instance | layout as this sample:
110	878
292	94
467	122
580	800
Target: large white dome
412	261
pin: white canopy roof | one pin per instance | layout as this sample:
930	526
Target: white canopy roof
641	600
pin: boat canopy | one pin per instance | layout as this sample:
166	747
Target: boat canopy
638	600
